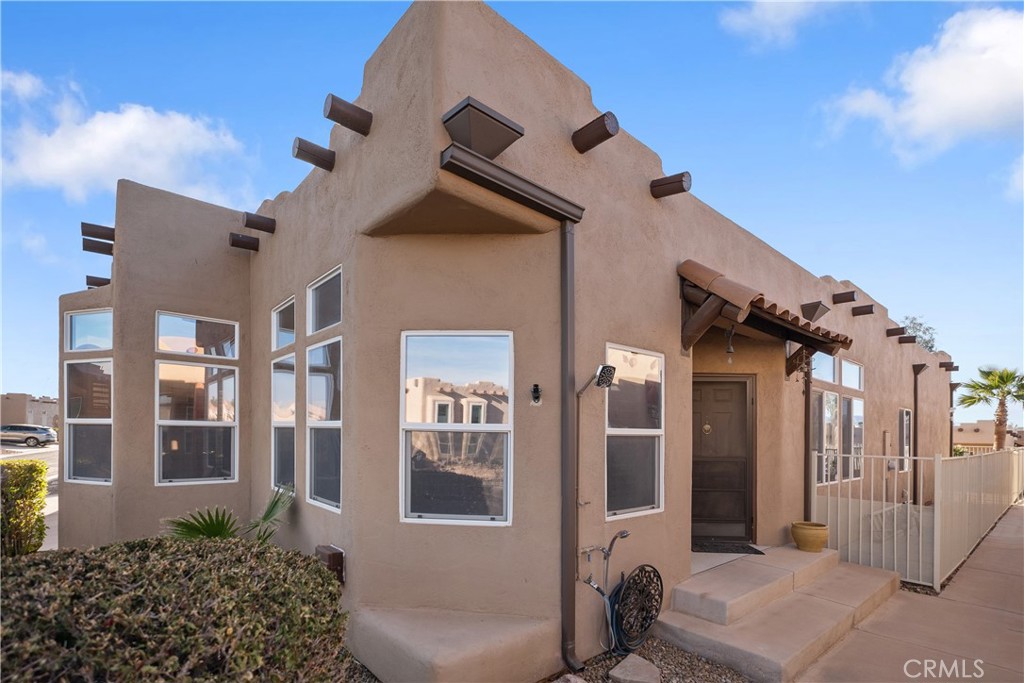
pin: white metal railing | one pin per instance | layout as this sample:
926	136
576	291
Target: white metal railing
974	492
919	516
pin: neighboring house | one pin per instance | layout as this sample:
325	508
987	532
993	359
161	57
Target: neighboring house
28	409
407	343
979	437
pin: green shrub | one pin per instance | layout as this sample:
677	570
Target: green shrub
22	501
164	609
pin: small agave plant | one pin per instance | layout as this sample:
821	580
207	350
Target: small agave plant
220	522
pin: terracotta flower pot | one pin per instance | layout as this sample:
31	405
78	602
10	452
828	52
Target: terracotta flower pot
809	536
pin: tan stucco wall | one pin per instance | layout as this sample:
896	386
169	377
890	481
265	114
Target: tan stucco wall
171	253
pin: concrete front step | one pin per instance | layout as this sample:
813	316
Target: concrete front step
731	591
784	635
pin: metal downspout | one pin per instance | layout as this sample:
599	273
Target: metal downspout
808	457
568	450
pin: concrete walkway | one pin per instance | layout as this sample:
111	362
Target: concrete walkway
973	631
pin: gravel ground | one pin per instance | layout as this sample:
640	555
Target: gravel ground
677	666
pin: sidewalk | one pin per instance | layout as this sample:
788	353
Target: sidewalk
973	631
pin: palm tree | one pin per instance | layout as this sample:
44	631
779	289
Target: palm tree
999	385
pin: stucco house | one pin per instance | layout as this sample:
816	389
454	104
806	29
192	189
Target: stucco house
406	337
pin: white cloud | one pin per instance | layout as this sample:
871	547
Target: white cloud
770	24
81	152
21	85
1015	185
36	246
968	83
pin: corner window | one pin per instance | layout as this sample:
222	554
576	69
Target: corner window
89	330
635	432
853	375
196	423
282	418
456	426
904	433
323	421
87	421
195	336
284	324
323	301
823	367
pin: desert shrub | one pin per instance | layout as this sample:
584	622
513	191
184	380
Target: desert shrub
164	609
22	500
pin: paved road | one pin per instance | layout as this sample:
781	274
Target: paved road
49	455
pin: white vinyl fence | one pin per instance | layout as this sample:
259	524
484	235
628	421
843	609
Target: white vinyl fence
918	516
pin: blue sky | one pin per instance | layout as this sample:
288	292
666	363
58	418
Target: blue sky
876	142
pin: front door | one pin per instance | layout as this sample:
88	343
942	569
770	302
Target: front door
722	459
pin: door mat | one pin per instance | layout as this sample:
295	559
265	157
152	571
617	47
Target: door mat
703	546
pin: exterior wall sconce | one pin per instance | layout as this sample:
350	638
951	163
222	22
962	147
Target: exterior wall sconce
346	114
729	350
603	128
255	221
672	184
813	310
244	241
481	129
304	150
844	297
535	393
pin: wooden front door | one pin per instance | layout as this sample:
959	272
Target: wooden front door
722	459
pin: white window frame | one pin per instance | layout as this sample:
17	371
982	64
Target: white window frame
620	431
405	427
67	441
310	425
274	328
467	410
86	311
158	423
274	424
843	362
183	354
435	403
903	460
309	299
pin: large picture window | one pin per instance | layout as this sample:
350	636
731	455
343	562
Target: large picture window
323	421
852	375
323	301
456	427
635	432
282	416
89	330
196	423
194	336
88	400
